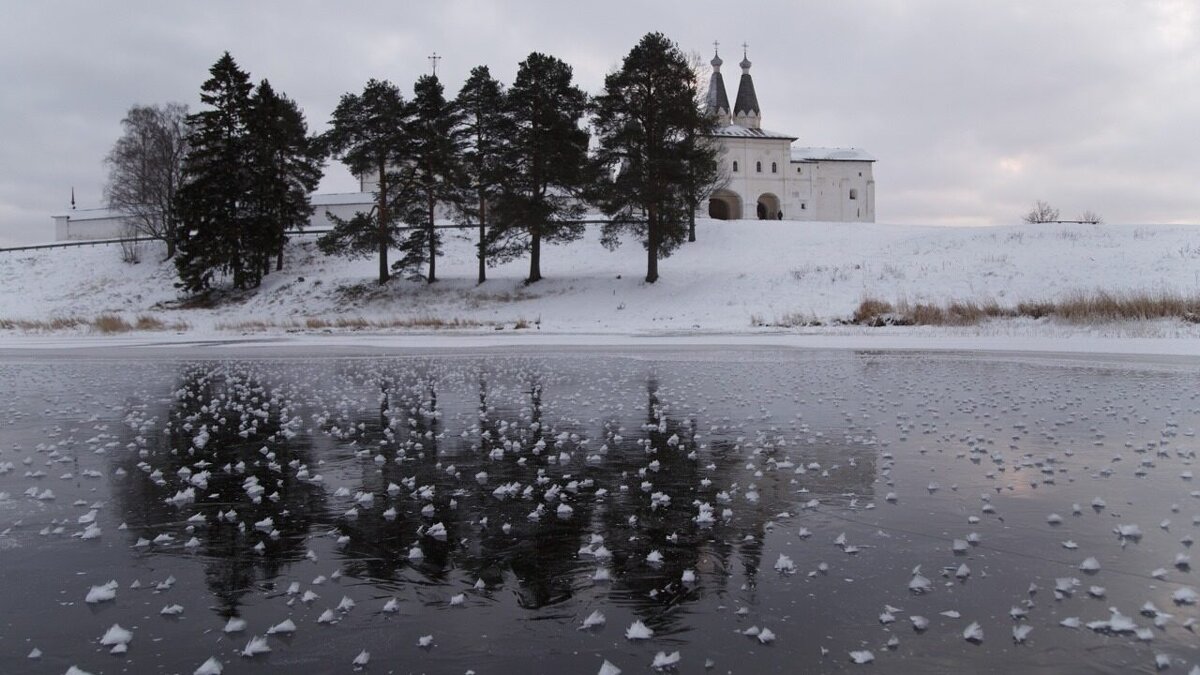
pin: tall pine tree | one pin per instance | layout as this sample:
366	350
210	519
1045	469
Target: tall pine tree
286	168
647	122
213	220
435	159
547	162
369	133
486	128
246	180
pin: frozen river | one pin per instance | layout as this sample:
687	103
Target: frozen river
737	510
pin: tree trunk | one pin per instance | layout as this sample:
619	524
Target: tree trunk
170	239
279	256
432	243
535	255
651	246
382	211
482	244
692	224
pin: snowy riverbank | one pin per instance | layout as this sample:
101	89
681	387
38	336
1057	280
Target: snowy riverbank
737	277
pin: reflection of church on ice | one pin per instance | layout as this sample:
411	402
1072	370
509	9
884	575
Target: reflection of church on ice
771	179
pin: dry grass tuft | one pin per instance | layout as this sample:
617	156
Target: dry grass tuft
352	323
1084	307
149	322
1077	308
105	323
788	320
1035	310
431	322
55	324
250	326
871	309
111	323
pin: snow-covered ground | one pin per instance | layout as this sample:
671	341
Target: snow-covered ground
737	275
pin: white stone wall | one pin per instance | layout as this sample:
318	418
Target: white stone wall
801	205
842	191
343	209
78	225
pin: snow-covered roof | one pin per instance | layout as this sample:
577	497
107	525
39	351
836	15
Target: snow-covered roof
738	131
91	214
831	155
335	198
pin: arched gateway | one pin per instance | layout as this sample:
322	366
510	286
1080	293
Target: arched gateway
768	207
725	205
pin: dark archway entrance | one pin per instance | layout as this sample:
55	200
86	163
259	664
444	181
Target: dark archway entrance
725	205
768	207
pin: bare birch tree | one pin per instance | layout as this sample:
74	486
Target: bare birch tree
145	169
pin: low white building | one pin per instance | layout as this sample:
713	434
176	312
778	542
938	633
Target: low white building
770	178
90	224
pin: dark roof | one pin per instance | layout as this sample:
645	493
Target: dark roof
717	98
747	100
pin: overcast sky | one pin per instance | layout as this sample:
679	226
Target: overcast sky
973	109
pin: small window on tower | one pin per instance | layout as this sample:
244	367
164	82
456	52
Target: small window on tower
853	194
758	167
735	165
774	168
799	170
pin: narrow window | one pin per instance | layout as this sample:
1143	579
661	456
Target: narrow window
853	194
799	170
758	167
803	206
860	174
774	168
735	165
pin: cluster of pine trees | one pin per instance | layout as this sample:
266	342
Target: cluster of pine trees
518	163
246	180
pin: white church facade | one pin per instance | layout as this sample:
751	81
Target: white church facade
770	178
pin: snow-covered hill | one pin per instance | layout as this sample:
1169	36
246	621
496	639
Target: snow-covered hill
736	275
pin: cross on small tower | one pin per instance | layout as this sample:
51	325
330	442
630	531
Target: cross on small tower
716	46
745	48
433	60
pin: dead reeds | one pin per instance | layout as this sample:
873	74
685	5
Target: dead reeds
106	324
1076	308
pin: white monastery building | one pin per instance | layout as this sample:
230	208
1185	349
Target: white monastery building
770	178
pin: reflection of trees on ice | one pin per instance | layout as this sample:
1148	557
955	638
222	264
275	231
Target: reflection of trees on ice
228	434
547	476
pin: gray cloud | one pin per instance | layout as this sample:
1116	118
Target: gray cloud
973	109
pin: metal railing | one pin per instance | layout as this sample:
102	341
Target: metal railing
301	233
